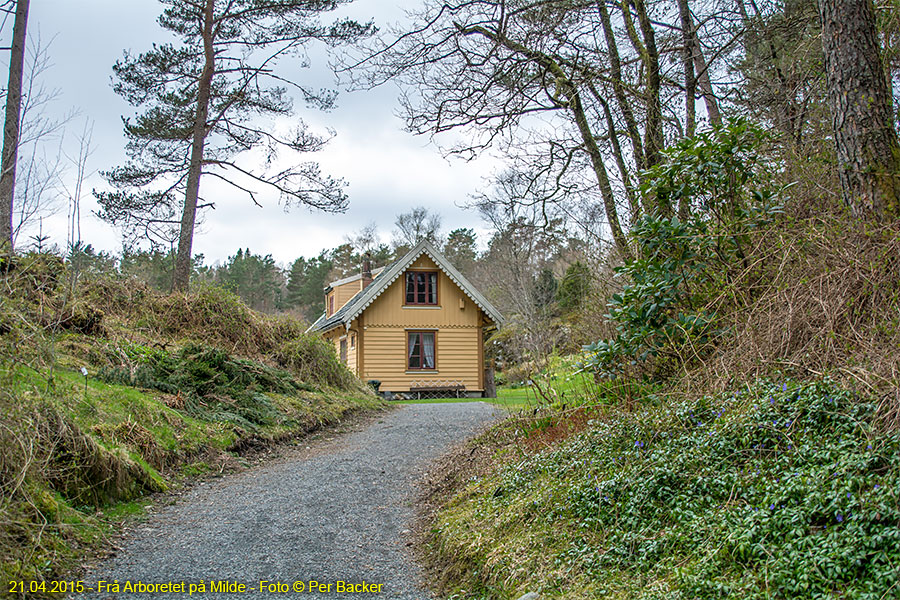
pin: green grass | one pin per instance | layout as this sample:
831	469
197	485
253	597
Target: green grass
107	410
127	511
776	491
558	384
508	402
51	521
520	397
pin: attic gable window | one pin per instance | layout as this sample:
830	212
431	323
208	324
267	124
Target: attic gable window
421	287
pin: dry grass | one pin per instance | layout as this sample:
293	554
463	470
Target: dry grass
207	314
556	428
822	297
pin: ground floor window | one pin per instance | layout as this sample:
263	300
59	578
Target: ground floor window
344	351
420	349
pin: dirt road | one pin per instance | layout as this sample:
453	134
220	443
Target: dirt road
337	511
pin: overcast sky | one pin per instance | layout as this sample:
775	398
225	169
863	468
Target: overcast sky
388	170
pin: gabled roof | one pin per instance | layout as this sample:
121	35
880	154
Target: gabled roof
389	275
324	323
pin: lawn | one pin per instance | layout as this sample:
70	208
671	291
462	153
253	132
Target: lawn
521	398
560	382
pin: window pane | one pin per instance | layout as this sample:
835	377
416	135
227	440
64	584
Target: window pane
432	288
415	353
420	288
428	350
410	288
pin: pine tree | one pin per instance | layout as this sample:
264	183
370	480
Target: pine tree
461	251
575	286
205	99
306	282
868	150
256	279
544	292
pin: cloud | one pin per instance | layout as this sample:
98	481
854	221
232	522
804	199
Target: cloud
388	170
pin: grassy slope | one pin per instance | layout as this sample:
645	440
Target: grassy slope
681	478
205	379
779	491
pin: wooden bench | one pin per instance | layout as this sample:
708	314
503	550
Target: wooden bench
436	389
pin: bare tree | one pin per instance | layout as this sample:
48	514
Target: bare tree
37	182
517	267
588	84
504	72
40	156
73	194
365	239
417	225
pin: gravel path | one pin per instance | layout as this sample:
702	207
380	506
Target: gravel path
337	510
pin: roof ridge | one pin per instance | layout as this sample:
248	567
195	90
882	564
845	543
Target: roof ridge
351	278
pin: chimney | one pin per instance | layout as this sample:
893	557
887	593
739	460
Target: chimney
366	271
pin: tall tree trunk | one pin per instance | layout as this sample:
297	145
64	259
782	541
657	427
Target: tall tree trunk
690	82
704	83
490	383
11	127
699	70
613	135
182	277
653	128
590	145
633	206
618	86
868	152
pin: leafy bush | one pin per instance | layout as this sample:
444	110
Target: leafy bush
668	311
663	312
214	385
722	173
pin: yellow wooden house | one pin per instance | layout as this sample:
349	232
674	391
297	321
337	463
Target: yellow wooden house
417	326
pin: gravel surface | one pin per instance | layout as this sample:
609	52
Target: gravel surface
338	509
